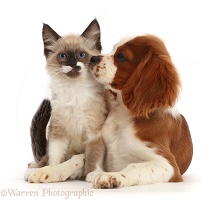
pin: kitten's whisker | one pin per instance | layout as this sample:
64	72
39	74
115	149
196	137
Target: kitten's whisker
53	65
56	73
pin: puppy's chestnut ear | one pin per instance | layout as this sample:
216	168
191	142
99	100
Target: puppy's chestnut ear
154	84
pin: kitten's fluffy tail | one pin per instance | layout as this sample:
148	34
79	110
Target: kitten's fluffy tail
38	130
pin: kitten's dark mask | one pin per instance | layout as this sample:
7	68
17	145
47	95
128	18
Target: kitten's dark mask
73	62
70	55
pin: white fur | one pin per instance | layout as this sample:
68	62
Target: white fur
174	112
106	74
66	69
80	64
121	42
75	101
153	171
57	150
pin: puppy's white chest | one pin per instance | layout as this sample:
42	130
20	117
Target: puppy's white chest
117	134
123	147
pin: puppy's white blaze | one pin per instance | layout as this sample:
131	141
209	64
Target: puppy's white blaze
107	69
111	68
174	112
121	42
66	69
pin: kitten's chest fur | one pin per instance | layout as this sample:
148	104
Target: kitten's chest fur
78	107
73	94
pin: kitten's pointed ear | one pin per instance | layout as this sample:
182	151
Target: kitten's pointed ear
49	37
92	33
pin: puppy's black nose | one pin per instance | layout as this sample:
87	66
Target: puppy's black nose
95	59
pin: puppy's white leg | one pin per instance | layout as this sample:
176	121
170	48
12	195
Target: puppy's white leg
57	151
72	167
156	171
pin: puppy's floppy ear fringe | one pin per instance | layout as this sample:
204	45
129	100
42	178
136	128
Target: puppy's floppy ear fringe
154	84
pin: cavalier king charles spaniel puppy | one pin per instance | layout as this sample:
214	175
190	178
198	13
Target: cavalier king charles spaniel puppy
147	140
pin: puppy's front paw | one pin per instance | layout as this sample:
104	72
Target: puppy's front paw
45	175
109	180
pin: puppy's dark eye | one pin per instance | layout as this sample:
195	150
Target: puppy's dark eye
82	55
62	56
121	57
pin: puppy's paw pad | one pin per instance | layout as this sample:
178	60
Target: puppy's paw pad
44	175
109	181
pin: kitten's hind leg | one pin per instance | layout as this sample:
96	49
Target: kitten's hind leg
73	167
33	164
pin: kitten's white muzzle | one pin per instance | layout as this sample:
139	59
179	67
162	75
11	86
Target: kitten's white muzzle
67	69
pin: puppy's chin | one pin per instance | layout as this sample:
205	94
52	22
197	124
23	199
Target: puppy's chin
101	74
111	87
99	77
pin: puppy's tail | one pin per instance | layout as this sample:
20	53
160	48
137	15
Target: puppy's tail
38	130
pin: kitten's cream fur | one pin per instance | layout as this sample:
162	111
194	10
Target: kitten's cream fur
78	104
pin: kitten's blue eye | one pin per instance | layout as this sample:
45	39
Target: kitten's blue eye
62	56
82	55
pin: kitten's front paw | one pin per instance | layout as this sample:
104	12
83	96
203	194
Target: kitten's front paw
109	181
46	175
28	172
91	177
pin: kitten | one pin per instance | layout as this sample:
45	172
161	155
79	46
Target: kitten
78	108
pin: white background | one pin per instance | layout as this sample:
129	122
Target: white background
190	32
